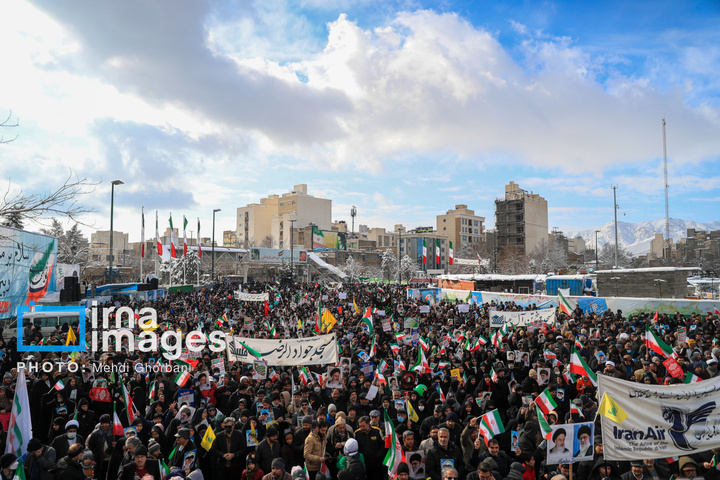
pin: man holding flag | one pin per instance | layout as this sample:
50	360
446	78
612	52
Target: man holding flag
440	454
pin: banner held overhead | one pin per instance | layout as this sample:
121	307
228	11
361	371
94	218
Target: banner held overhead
319	350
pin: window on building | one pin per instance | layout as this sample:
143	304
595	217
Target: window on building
464	238
475	232
475	222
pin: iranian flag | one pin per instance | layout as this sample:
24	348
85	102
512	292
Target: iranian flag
655	317
479	257
493	375
395	348
575	410
128	404
691	378
569	377
19	430
142	234
396	454
544	425
451	254
367	320
421	363
563	303
185	244
652	341
424	344
158	243
304	375
117	426
437	251
579	367
182	377
493	423
424	251
173	253
198	240
545	402
442	395
549	355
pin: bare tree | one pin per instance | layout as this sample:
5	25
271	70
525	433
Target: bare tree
7	123
61	202
389	265
266	242
549	256
408	267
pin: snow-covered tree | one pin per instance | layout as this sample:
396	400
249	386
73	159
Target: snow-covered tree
72	247
352	268
408	267
182	269
513	261
549	257
606	256
389	265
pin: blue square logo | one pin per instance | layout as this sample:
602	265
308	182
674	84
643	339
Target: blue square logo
49	317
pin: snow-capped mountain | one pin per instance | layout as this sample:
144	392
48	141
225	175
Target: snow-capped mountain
636	237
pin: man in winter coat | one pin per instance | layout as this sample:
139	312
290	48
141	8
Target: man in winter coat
140	466
227	449
268	450
39	461
314	451
371	443
62	443
444	450
69	467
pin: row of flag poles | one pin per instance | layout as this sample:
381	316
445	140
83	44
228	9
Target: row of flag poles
451	253
173	250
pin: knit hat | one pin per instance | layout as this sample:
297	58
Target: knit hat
533	373
403	468
141	450
517	466
298	473
278	463
451	417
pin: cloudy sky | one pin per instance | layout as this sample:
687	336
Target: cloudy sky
402	108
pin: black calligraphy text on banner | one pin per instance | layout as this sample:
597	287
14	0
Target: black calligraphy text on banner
319	350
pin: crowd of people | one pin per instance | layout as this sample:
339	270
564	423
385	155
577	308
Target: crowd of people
276	424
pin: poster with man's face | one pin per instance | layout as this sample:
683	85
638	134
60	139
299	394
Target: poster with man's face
570	443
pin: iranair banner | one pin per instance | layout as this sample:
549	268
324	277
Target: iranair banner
658	421
27	268
530	318
318	350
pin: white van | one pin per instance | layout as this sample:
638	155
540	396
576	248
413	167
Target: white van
48	322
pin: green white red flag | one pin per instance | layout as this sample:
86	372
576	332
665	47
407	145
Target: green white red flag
451	254
424	251
185	244
437	251
396	454
545	402
544	425
198	240
579	367
173	253
653	342
158	243
564	305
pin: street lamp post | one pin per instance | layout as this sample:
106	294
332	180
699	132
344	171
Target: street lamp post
292	251
212	267
596	249
399	261
112	202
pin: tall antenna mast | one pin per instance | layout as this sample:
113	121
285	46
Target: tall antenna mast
667	211
615	208
353	214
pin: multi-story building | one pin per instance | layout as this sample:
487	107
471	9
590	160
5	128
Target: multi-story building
100	247
521	219
411	244
462	227
229	238
269	222
383	239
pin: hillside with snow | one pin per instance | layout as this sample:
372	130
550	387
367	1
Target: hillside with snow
636	237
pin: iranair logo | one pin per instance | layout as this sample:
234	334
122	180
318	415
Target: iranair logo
681	421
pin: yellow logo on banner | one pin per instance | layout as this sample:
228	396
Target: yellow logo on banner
610	409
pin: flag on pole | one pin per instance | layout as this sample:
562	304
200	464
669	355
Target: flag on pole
609	408
208	439
549	355
653	342
421	363
164	469
142	234
71	337
173	253
412	414
564	305
691	378
367	320
579	367
396	454
451	254
20	472
20	425
437	251
128	404
575	410
395	348
544	425
185	244
424	251
492	424
117	428
250	350
545	402
182	377
655	317
59	385
158	243
198	240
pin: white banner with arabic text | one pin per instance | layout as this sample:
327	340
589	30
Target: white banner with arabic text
530	318
659	421
251	297
319	350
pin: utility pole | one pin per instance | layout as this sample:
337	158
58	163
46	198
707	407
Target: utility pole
292	227
616	227
398	248
667	211
596	249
